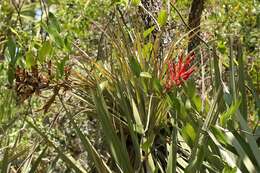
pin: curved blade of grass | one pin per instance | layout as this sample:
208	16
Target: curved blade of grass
52	166
118	151
250	138
241	152
139	125
239	117
17	155
227	115
4	163
26	166
198	151
38	161
126	107
100	165
68	160
245	145
172	158
224	153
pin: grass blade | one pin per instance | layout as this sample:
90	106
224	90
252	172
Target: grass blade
172	158
68	160
38	161
118	151
4	163
241	152
95	157
241	80
198	152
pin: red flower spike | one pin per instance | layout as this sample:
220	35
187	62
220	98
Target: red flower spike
178	72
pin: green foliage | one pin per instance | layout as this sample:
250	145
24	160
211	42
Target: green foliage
162	18
67	65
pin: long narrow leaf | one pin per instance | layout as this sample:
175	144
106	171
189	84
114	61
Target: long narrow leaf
38	161
118	151
68	160
95	157
198	152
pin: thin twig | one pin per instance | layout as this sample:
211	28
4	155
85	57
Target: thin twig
18	6
210	48
150	14
82	51
44	8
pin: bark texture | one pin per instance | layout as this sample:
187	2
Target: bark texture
196	9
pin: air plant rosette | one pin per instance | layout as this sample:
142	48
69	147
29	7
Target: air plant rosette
178	72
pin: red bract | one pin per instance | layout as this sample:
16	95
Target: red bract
179	72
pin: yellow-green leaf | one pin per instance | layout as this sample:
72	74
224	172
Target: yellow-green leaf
162	17
44	51
30	61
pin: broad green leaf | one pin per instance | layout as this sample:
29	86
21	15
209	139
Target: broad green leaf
249	138
12	49
229	113
197	101
157	85
222	47
136	2
162	17
44	51
30	61
148	31
190	88
226	154
135	66
189	133
67	44
199	150
228	169
54	22
219	135
10	74
55	35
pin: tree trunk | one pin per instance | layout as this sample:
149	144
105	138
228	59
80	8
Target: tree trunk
196	9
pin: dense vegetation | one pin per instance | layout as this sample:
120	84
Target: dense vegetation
129	86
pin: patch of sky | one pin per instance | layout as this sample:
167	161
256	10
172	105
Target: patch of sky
38	14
